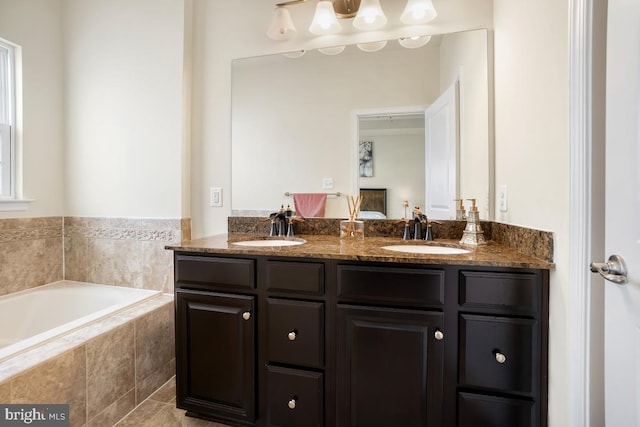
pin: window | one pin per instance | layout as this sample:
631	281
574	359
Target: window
10	190
7	121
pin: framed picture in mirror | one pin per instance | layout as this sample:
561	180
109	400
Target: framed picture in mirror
366	159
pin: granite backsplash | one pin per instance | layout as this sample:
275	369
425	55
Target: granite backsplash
535	243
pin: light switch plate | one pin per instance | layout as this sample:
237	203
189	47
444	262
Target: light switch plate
327	183
502	198
215	197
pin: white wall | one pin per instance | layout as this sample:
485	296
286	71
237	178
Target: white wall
124	108
532	149
464	55
35	25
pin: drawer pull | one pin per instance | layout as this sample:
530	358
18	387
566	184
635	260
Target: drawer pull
292	403
438	335
500	358
292	335
246	315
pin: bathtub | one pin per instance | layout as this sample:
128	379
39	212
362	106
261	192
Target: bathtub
32	317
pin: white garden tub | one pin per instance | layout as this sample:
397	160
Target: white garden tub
31	317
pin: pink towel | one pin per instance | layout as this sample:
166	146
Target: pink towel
309	205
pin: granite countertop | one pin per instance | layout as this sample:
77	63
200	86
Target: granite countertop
369	249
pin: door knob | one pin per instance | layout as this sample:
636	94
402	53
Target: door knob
614	270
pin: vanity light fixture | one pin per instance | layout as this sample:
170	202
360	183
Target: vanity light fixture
295	54
418	12
281	27
334	50
372	46
370	16
414	42
325	21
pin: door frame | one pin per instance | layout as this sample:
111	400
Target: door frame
355	133
585	355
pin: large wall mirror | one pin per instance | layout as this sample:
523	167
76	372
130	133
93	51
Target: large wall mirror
297	123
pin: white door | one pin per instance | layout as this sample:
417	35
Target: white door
441	126
622	302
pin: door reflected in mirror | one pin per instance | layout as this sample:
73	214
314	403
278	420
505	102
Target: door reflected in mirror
295	123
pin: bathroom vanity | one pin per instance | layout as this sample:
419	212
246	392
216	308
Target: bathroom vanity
332	333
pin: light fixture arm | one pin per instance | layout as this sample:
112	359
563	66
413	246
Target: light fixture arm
290	3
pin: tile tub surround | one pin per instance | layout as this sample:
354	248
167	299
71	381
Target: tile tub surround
122	251
114	251
530	242
160	410
103	370
31	253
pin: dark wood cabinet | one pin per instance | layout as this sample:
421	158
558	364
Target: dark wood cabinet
295	397
390	367
277	341
215	354
502	345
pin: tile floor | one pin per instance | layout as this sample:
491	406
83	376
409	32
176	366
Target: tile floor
159	410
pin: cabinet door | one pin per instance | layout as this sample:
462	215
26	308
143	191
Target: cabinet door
215	372
390	367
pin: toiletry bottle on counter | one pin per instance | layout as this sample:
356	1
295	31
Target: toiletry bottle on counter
473	234
461	215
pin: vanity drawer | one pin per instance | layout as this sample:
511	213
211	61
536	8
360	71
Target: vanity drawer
399	286
479	409
204	271
516	293
485	340
299	277
295	332
294	398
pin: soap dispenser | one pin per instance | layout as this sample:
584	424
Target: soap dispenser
461	215
472	234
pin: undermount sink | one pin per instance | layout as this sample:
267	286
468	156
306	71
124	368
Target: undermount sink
427	249
270	242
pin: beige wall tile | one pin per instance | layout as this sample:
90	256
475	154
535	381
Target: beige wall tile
146	386
114	412
166	393
29	263
5	392
122	251
144	415
30	253
114	262
110	368
76	259
157	266
155	351
62	379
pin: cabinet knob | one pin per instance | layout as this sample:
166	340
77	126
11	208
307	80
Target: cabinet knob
500	358
292	403
246	315
292	335
439	335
